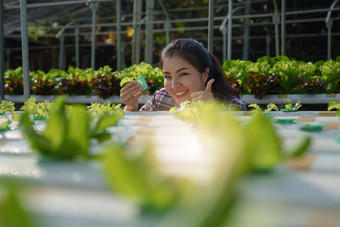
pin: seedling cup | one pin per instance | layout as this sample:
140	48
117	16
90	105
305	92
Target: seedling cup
313	127
285	120
144	85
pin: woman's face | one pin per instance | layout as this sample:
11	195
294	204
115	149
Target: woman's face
181	79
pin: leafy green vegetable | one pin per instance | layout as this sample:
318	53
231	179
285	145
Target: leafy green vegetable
107	107
289	107
334	105
4	126
67	135
12	212
154	76
6	106
254	106
37	110
262	144
137	176
270	107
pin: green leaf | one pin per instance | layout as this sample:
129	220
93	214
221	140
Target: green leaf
38	143
5	125
77	141
333	105
262	143
57	127
301	149
12	212
130	176
271	106
254	106
125	80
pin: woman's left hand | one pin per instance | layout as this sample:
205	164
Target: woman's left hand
203	95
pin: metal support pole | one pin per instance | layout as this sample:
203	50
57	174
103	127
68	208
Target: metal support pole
119	36
2	55
25	53
211	26
283	28
137	16
93	44
276	20
76	40
224	33
329	25
61	52
230	24
167	23
329	37
150	5
246	32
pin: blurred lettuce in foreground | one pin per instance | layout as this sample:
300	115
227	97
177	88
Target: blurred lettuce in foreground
67	134
137	176
12	212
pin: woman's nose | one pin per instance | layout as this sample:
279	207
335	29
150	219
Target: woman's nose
175	83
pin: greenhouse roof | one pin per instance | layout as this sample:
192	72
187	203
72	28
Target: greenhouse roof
39	11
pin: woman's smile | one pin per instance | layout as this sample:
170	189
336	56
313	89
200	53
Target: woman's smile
181	93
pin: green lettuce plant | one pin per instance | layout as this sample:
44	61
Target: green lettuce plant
6	106
67	134
240	148
334	105
4	126
107	108
290	107
137	176
270	107
38	111
154	76
13	213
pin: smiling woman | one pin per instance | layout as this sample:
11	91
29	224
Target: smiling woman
191	73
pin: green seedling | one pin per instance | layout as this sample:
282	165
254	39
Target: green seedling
334	105
270	107
290	107
39	111
4	126
6	106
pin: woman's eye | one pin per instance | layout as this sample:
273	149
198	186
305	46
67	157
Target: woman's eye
167	77
183	74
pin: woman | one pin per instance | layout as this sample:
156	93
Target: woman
190	73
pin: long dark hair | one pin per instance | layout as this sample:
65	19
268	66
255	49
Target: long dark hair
195	53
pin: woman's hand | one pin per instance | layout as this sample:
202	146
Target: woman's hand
203	95
129	94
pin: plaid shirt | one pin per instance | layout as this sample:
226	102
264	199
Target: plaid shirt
162	101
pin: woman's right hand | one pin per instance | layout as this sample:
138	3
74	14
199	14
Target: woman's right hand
129	94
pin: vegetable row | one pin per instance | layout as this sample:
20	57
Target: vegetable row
268	75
